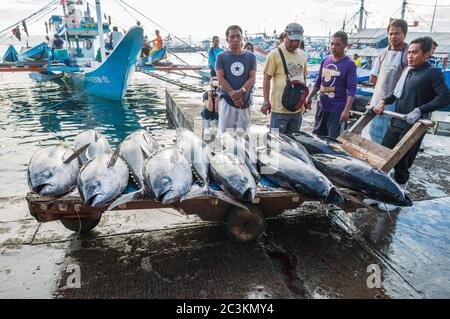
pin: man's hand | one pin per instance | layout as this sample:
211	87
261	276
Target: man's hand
239	103
236	95
414	116
344	116
266	108
308	102
379	108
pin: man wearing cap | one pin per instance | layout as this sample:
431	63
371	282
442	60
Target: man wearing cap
337	85
281	118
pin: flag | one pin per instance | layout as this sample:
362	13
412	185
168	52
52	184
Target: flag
16	33
25	28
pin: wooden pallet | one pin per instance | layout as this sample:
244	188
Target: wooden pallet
375	154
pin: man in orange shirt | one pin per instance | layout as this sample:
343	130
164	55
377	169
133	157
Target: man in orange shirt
158	41
158	44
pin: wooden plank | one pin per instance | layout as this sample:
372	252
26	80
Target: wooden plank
406	143
365	150
362	122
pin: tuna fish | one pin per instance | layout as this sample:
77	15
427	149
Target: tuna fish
168	176
196	152
360	176
98	145
286	144
233	176
135	150
235	145
53	171
319	145
102	179
291	173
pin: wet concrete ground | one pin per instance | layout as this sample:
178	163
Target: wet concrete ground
307	253
311	252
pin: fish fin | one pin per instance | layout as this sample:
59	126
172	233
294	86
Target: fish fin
146	153
334	197
77	153
196	192
114	157
125	199
224	197
145	136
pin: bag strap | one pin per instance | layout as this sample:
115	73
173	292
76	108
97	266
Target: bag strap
284	64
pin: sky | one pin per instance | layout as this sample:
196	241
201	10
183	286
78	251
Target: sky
201	19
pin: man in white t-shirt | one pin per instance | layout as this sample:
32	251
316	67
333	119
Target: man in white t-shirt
386	72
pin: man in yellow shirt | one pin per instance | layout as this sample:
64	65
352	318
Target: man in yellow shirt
274	77
357	60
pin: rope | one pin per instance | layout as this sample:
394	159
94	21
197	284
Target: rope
161	27
30	16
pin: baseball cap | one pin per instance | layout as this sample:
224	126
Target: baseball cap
294	31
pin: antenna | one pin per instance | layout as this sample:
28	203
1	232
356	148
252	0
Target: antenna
434	15
361	16
404	9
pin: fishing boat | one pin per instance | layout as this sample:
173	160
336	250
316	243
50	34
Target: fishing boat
103	75
38	53
11	55
159	55
108	78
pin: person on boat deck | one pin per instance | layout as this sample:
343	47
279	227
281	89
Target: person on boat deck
49	41
420	91
283	119
210	110
213	52
115	37
248	46
386	72
146	47
236	70
357	60
434	61
57	43
337	85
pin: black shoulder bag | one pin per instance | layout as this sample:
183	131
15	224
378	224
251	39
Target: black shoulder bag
295	92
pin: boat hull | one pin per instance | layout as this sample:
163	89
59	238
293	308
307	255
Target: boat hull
110	79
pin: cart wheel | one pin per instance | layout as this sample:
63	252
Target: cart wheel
87	224
244	225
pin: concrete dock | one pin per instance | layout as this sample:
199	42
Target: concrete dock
310	252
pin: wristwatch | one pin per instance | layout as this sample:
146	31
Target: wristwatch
244	90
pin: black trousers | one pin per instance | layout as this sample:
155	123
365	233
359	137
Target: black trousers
393	136
213	72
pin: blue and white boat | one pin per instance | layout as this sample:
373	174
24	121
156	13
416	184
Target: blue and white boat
110	78
11	55
38	53
93	71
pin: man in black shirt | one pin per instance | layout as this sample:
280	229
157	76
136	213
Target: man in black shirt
420	91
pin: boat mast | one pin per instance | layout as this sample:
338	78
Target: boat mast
65	16
361	16
434	14
100	29
404	9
